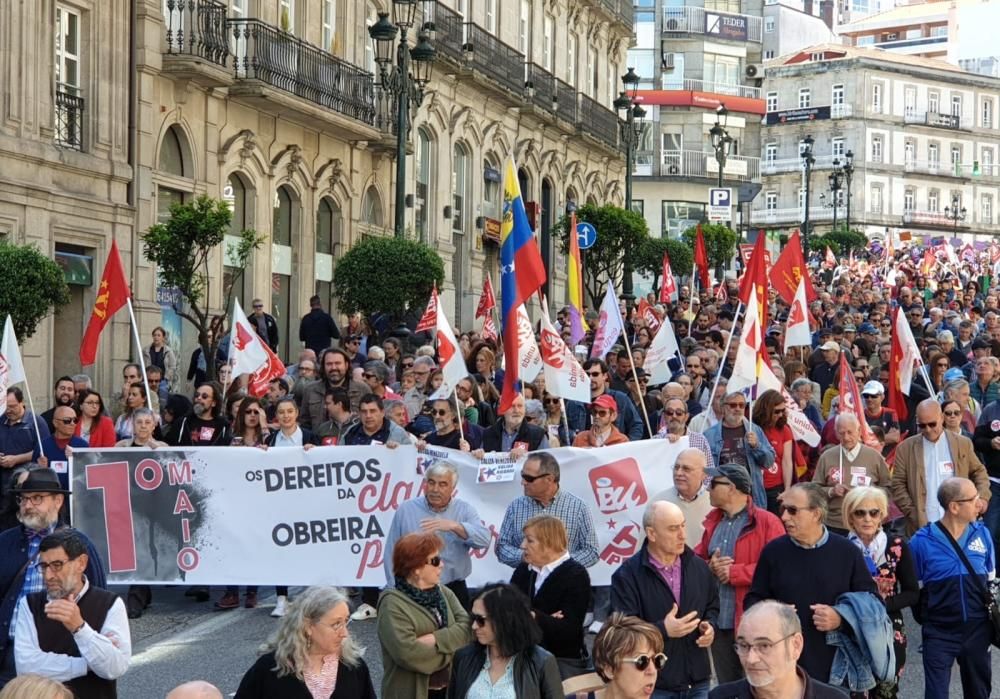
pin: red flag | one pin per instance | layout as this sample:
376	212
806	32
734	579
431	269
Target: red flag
903	353
850	401
668	285
250	355
428	321
647	313
721	293
111	296
831	259
788	269
489	329
487	301
701	259
755	278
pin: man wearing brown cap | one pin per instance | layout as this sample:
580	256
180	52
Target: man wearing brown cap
39	498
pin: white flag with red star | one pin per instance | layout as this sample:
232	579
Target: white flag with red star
248	354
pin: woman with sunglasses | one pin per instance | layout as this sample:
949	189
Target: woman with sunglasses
954	418
770	414
505	661
554	424
890	564
939	364
628	654
312	654
94	425
421	623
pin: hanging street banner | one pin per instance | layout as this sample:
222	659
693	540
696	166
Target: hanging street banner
286	516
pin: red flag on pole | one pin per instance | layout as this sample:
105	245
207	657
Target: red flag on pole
701	259
788	269
487	301
428	321
668	285
755	277
850	401
112	294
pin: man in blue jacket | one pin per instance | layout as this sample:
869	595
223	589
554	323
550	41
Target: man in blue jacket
40	495
956	624
736	440
578	416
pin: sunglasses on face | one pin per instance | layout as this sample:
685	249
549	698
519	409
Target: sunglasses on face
551	401
67	420
440	413
368	376
477	620
952	413
641	662
434	561
595	373
675	413
407	365
736	406
873	513
600	412
793	509
926	425
528	478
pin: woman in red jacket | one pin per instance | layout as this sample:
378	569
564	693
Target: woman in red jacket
735	532
94	425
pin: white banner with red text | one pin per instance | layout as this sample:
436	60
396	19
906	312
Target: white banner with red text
286	516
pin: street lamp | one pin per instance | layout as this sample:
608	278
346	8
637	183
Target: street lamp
631	128
807	162
405	81
954	213
836	178
848	171
722	142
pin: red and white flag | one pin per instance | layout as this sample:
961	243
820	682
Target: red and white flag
450	355
529	358
722	293
248	354
11	366
428	321
564	377
850	401
487	300
903	354
797	331
746	366
668	285
489	328
609	325
661	350
802	427
831	259
647	313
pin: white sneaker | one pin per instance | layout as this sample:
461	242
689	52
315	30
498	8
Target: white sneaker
595	628
280	607
588	619
364	612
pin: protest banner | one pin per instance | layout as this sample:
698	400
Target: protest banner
241	516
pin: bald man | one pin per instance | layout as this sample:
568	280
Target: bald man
925	460
654	583
198	689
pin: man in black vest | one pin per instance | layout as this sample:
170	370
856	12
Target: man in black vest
72	632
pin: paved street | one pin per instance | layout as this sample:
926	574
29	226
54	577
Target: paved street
179	639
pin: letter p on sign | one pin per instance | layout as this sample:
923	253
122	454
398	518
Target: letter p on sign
720	203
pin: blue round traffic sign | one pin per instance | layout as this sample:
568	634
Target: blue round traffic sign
586	234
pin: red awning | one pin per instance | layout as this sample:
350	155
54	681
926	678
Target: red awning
701	100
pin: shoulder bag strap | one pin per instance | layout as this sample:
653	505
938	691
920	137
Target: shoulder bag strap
968	565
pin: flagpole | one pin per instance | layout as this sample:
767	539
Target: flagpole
565	420
138	345
635	375
694	285
725	354
34	415
461	431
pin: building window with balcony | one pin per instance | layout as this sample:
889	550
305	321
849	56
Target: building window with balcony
987	164
933	199
805	98
548	42
721	72
908	199
837	148
877	98
571	59
875	200
770	153
987	113
772	102
956	106
876	149
933	156
770	201
491	16
956	160
69	97
768	24
329	27
837	95
933	101
909	154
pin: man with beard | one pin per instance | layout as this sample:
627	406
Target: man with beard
65	394
336	374
736	440
446	432
454	520
769	643
73	631
206	427
514	434
40	497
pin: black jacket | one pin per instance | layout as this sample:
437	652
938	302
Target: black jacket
536	673
814	689
307	437
261	681
530	434
272	330
566	589
316	329
638	590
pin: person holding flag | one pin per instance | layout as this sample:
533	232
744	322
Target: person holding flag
21	430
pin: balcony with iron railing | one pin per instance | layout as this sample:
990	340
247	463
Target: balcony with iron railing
714	87
721	25
487	54
620	11
693	163
794	214
69	118
938	120
937	219
449	32
197	38
598	122
775	166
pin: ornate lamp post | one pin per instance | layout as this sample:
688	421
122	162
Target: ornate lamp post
836	184
631	128
954	213
722	142
847	169
405	80
807	162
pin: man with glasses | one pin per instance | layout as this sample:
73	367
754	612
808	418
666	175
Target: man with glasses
736	440
876	415
666	584
415	397
924	461
769	643
40	496
265	325
810	568
955	621
628	422
446	433
689	492
602	430
206	426
514	434
72	631
55	447
735	532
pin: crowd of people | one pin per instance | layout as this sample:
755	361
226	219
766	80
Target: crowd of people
769	568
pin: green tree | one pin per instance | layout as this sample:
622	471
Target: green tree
180	247
720	243
841	241
387	275
620	233
650	258
33	286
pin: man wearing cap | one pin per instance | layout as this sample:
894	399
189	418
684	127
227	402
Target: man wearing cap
40	496
602	432
825	373
735	532
872	396
628	422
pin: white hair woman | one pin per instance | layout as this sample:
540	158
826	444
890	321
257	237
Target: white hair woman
312	654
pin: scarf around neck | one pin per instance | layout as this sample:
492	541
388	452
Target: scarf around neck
875	551
432	600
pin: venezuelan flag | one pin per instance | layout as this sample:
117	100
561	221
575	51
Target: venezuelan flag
578	324
522	273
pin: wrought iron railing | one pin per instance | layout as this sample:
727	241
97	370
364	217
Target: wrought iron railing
197	28
567	103
503	63
386	107
286	62
449	32
542	86
599	121
69	120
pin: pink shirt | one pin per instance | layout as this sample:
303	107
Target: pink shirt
671	575
321	686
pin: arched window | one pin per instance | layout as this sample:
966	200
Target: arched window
328	235
240	197
422	204
173	154
460	186
284	235
371	207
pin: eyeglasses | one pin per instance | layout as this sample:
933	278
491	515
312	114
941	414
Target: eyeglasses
600	412
258	305
952	413
203	395
715	482
407	365
794	509
675	413
439	412
477	620
972	499
54	566
339	626
551	401
595	373
36	499
874	513
528	478
927	425
66	420
435	561
758	647
740	406
368	376
641	662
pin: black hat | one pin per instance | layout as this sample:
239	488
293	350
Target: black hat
737	473
981	343
41	480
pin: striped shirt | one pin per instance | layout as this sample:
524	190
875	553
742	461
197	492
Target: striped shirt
566	507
